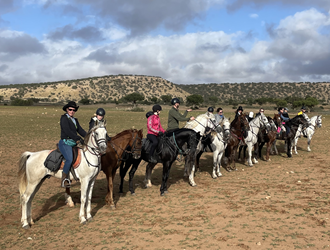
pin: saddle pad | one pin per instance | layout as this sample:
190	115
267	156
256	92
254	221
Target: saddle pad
146	145
54	160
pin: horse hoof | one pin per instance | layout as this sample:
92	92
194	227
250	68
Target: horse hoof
112	207
26	226
162	194
90	219
133	194
83	222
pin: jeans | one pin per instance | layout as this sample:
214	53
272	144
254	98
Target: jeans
66	151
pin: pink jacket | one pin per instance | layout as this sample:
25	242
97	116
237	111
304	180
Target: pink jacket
154	126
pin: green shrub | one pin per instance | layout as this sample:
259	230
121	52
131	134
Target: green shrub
137	109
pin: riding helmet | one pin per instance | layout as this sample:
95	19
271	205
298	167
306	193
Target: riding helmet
100	112
303	107
240	108
210	109
156	107
175	100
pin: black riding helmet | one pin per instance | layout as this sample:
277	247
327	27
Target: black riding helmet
210	109
175	100
156	107
100	112
240	108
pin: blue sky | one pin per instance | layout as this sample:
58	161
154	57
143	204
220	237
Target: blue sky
184	41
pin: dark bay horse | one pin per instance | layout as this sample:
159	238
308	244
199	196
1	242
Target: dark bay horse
268	137
237	129
114	155
169	147
293	124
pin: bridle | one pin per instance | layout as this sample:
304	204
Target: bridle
134	148
95	149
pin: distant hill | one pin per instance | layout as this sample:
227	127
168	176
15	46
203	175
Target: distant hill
105	88
114	87
243	91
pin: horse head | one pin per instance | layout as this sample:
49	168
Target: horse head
299	119
318	121
96	138
245	126
226	129
264	121
277	119
136	143
272	123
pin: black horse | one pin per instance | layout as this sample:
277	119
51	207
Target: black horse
169	147
293	124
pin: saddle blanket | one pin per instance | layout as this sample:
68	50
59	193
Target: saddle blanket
55	160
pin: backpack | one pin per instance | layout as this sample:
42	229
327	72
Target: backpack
149	113
54	160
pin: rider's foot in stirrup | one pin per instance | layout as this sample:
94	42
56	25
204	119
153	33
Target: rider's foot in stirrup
65	183
152	159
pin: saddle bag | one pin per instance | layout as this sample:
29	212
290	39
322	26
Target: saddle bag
54	160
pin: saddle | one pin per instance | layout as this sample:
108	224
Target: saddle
55	160
146	145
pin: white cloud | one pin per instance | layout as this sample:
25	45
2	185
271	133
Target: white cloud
254	15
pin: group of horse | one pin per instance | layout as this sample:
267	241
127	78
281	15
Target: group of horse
127	149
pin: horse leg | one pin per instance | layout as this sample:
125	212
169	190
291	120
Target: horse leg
131	175
239	152
198	156
274	146
89	199
215	164
309	138
295	142
147	179
255	161
122	172
269	144
166	172
219	163
68	199
250	154
288	149
189	165
83	202
234	157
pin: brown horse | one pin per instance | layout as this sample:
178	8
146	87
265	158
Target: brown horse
113	157
237	128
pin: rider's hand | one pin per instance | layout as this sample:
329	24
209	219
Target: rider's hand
160	133
189	110
192	118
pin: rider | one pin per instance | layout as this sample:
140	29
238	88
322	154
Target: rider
174	116
154	130
99	115
219	115
69	138
303	110
239	111
261	111
285	117
250	117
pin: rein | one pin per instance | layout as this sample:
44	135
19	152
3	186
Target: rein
94	150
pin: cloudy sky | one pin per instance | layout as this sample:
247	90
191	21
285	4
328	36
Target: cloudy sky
184	41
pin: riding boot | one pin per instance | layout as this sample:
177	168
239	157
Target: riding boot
65	183
152	159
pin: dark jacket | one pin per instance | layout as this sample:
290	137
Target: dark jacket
174	117
69	129
91	124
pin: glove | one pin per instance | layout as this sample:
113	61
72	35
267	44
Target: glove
160	133
81	140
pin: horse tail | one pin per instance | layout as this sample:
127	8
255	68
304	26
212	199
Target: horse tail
22	177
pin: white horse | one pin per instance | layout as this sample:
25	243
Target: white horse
315	122
200	124
219	140
252	136
32	173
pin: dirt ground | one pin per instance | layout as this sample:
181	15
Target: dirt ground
281	204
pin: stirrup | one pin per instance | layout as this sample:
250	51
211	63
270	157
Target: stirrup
66	186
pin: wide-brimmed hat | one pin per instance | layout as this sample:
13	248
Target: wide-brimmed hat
70	104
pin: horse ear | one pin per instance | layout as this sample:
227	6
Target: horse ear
229	118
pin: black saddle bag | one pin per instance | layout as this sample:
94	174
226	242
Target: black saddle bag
53	161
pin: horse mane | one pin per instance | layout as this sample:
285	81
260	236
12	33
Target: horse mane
192	124
177	131
132	130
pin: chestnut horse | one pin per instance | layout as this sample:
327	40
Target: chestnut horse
113	157
237	129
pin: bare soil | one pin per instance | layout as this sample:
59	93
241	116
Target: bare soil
281	204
